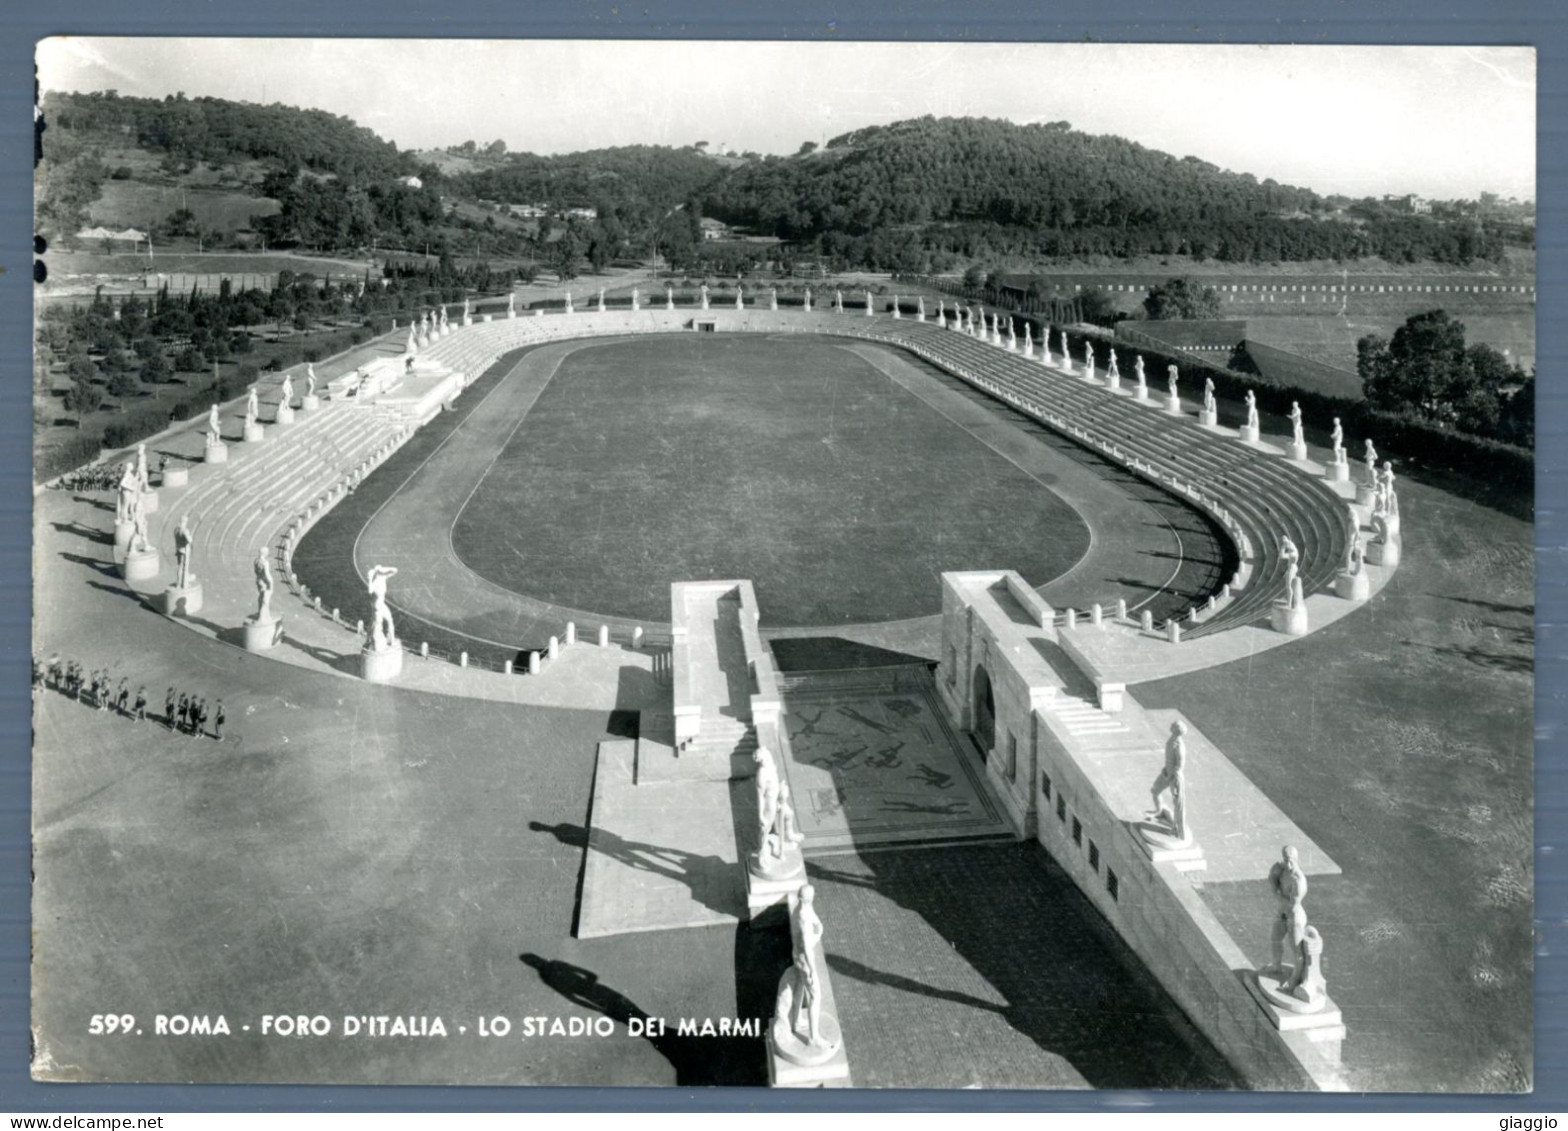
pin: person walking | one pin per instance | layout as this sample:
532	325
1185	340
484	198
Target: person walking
168	709
141	704
185	710
122	701
218	719
200	713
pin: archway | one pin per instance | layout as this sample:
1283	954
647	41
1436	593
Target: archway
984	729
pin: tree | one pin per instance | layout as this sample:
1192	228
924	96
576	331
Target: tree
973	277
1427	369
1182	298
82	397
496	148
123	384
805	148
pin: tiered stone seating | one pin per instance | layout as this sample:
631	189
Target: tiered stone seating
1267	497
237	508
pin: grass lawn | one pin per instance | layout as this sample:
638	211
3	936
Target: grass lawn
135	204
789	462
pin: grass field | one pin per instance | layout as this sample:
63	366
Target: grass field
791	463
134	204
1332	340
63	264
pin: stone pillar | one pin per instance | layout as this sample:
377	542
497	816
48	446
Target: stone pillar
571	632
604	636
637	637
553	649
533	663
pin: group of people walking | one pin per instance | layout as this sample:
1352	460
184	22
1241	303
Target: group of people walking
187	713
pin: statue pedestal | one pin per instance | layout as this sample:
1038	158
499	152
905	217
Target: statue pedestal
1297	451
261	635
1353	586
1142	393
1320	1018
175	477
310	403
1391	524
382	666
140	565
150	502
253	433
792	1061
181	602
1290	621
1209	417
1337	472
772	887
1114	383
1162	847
1173	404
1365	495
1384	553
217	453
284	416
122	536
1249	434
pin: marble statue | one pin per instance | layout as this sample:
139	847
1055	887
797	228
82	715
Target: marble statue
287	391
766	785
669	298
142	482
1370	458
1291	556
869	308
569	302
1289	885
1172	779
1297	433
1307	983
130	493
511	302
310	380
382	634
1297	593
467	310
1386	501
1337	437
703	290
1208	395
1115	373
214	429
1028	340
252	406
920	308
1138	369
740	298
1067	357
412	344
138	526
1355	553
601	302
263	572
800	993
838	302
182	554
807	303
1170	378
443	316
1252	410
1088	357
636	299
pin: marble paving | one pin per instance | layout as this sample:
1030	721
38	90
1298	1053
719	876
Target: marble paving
874	763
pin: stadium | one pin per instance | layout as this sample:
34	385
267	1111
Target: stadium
960	581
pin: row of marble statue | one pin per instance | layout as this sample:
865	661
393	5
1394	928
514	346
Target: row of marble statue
1294	982
801	1032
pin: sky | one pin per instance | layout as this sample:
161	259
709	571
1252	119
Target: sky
1442	122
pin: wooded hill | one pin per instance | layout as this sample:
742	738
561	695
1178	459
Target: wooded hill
974	186
914	196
